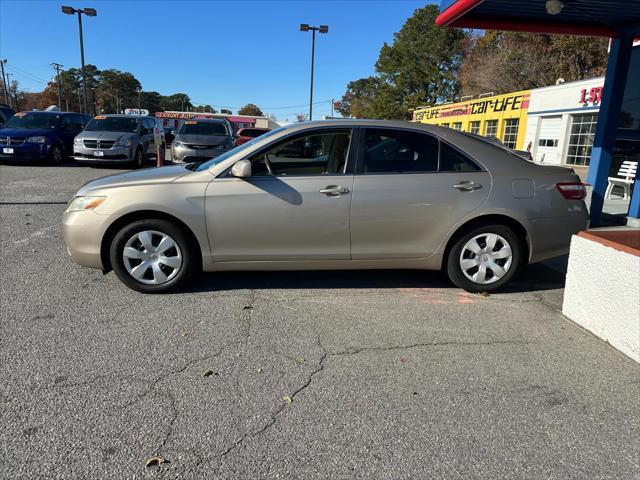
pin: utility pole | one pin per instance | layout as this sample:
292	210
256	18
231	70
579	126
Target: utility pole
138	89
8	85
57	68
332	109
4	81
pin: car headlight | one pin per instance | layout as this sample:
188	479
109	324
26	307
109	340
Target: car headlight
122	142
177	144
81	203
37	139
77	141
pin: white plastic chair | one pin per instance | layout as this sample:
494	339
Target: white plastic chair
626	177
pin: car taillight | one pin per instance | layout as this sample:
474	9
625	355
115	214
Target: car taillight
572	191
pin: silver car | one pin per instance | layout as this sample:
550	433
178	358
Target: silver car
200	139
116	139
349	194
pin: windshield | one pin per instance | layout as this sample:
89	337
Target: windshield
193	127
112	124
33	120
224	156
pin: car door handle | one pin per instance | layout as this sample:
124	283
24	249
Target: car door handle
334	190
467	186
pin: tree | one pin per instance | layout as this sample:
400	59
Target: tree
503	62
419	67
251	109
177	102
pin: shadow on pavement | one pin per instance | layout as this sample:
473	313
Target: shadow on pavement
537	277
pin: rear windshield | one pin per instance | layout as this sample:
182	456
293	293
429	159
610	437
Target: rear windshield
33	120
494	142
252	132
112	124
193	127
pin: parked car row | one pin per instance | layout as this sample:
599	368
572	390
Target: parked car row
113	138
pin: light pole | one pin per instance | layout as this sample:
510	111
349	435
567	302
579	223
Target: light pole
90	12
138	89
305	27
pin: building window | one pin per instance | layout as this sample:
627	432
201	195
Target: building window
511	132
445	125
491	128
474	127
457	126
583	129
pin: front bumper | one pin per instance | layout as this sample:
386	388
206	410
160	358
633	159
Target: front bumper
83	154
36	151
83	232
186	154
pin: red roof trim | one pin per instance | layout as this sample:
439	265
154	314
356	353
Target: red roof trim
455	11
512	24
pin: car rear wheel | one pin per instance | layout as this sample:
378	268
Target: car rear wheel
153	256
484	259
56	154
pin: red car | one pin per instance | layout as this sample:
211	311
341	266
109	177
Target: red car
246	134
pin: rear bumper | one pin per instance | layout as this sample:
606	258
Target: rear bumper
551	237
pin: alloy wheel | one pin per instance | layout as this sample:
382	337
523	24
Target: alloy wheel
486	258
152	257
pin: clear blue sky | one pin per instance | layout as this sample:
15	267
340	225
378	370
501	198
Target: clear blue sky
218	52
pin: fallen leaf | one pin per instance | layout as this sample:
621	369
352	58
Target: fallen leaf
403	360
247	307
287	399
155	461
300	360
208	373
484	294
184	334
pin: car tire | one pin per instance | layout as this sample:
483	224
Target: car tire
138	158
56	154
484	259
166	268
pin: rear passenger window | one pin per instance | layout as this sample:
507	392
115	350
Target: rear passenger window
453	161
397	151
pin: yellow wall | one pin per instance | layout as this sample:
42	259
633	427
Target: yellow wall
498	107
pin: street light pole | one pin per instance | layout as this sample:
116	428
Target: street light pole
91	12
304	27
138	89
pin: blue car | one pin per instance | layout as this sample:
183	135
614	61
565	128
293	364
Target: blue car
40	135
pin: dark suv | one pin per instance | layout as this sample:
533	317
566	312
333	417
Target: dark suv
40	135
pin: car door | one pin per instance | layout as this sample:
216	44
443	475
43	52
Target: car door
292	208
409	190
68	131
147	137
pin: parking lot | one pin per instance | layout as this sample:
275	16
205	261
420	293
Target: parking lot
375	374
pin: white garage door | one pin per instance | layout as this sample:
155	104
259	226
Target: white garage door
548	140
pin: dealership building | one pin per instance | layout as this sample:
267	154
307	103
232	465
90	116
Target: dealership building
174	120
556	123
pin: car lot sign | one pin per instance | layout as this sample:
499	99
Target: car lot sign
136	111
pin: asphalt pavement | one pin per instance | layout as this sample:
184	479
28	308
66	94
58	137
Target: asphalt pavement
314	375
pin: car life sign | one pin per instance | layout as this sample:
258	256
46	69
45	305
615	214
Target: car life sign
136	111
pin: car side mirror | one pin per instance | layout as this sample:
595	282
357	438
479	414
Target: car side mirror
241	169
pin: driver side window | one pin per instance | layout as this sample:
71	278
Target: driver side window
316	154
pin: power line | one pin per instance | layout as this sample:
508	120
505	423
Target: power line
28	75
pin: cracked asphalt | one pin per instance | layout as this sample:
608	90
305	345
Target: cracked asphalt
376	374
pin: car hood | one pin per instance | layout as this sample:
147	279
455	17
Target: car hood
97	135
25	132
212	140
139	177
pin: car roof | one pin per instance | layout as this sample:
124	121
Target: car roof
122	115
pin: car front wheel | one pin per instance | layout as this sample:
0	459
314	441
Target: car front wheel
484	259
153	256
